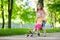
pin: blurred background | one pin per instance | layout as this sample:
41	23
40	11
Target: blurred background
22	13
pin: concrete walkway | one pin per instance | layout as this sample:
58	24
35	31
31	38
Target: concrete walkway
50	36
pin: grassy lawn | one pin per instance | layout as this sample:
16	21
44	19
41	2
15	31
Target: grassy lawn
20	31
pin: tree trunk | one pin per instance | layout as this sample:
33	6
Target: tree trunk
52	19
2	13
41	1
10	5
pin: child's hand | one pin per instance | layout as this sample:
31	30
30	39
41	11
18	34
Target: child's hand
36	20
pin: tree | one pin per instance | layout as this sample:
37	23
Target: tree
53	7
2	9
41	1
23	12
10	7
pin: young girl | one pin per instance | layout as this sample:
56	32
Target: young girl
40	18
40	15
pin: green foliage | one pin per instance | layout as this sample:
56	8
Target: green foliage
28	14
53	13
54	9
22	11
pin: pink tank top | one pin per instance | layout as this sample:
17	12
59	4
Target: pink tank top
41	14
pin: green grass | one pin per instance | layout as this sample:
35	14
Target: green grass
21	31
51	30
14	31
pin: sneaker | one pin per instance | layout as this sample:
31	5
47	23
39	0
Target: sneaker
31	35
38	34
27	35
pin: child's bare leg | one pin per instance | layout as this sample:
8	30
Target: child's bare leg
32	32
44	30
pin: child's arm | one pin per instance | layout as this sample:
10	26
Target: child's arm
36	17
43	15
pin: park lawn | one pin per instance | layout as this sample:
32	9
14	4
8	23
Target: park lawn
22	31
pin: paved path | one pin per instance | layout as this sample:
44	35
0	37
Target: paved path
50	36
